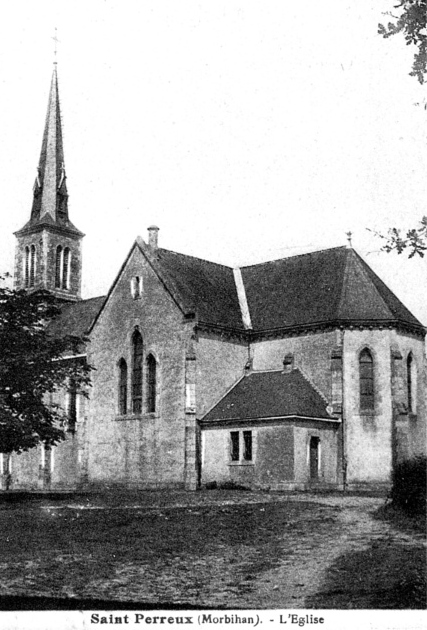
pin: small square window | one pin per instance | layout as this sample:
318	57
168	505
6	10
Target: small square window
241	446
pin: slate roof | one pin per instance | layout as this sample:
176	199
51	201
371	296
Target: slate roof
50	195
329	286
207	287
333	286
60	222
269	395
76	318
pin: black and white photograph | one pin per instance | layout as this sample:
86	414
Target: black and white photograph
213	310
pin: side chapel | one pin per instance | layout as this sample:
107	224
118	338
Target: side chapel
304	372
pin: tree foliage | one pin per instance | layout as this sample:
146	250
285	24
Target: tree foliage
411	22
409	485
32	369
413	241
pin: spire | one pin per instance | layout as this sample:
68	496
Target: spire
50	201
48	248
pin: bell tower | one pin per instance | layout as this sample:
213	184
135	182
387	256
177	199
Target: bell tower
48	250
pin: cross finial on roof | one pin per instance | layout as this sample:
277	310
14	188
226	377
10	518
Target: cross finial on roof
349	235
56	40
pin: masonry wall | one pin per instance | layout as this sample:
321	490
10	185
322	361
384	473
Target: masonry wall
312	354
415	421
62	469
328	435
220	364
24	471
370	438
46	243
280	456
147	449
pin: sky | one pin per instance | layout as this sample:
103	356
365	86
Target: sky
246	130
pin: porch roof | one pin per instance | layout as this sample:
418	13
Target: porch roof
270	394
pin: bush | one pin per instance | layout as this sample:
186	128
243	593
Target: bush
232	485
225	485
409	485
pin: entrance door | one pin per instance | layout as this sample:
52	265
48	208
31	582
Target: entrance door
314	458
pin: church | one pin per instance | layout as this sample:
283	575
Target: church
300	373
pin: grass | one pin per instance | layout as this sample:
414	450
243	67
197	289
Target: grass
214	552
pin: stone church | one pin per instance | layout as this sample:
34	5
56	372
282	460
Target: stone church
304	372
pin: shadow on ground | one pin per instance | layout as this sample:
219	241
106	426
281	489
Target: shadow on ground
205	550
389	574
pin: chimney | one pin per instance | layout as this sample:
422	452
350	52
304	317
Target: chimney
153	236
288	363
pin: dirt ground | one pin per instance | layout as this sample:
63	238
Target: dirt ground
211	549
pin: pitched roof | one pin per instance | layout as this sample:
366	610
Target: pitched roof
329	286
76	318
196	285
269	395
50	201
206	286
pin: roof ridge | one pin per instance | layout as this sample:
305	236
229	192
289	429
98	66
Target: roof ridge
211	262
344	282
317	251
313	385
242	299
277	394
364	270
368	270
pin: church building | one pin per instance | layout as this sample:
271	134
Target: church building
300	373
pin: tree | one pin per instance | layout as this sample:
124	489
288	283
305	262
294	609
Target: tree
412	23
32	366
414	241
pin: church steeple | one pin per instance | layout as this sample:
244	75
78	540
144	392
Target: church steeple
48	255
50	189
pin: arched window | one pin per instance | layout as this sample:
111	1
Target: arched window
58	266
151	384
136	287
27	267
72	406
32	265
411	382
62	267
136	372
65	267
123	387
366	380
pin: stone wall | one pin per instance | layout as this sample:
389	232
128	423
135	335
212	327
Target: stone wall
220	363
63	468
46	242
143	449
312	354
370	438
280	455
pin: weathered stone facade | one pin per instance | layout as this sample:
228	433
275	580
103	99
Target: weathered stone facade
180	345
141	448
46	242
